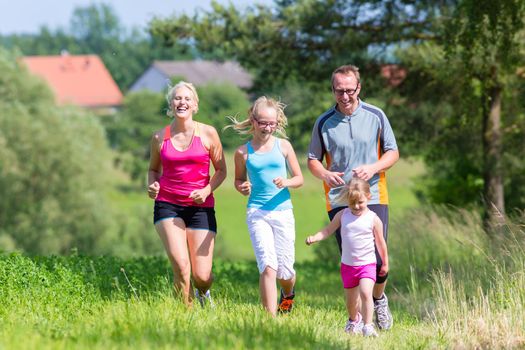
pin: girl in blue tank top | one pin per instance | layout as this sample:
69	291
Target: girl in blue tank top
261	172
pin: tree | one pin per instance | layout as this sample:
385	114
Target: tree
130	129
298	40
54	164
463	91
487	36
217	102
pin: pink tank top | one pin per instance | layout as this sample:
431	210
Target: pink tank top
184	171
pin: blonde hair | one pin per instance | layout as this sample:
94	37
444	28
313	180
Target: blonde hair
171	93
245	127
351	193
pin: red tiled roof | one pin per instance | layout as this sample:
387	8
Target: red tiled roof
79	80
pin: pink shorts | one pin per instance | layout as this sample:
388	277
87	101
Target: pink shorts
352	274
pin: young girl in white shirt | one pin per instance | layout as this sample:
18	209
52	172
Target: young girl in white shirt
361	228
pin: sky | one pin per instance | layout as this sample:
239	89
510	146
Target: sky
27	16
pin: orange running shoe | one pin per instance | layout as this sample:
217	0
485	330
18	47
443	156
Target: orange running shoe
286	303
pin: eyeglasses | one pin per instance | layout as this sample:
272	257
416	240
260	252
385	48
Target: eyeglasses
265	124
349	92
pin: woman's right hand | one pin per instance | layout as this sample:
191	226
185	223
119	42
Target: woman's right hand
153	190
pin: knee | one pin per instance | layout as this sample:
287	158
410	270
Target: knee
182	269
269	272
203	279
366	297
381	279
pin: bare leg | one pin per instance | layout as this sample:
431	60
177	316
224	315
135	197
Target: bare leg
287	285
200	245
379	289
352	302
367	303
172	232
268	290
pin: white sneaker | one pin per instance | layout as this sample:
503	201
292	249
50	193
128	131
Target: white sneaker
203	299
369	330
354	327
383	316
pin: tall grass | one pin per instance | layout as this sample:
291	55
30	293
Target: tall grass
462	292
471	288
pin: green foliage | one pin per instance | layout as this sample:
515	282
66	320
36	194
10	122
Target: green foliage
487	36
439	116
53	163
129	130
217	102
302	40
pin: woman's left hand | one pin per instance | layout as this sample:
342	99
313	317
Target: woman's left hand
199	196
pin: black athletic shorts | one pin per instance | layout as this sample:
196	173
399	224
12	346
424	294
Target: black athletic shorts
197	218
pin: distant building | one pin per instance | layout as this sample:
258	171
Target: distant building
393	74
157	77
81	80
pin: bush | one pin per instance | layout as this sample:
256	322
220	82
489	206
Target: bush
53	168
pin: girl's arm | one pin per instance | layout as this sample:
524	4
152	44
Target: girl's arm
241	183
218	162
154	166
327	231
381	245
293	166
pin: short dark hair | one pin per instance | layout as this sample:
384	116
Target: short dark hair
347	69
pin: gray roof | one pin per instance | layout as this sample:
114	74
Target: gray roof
204	72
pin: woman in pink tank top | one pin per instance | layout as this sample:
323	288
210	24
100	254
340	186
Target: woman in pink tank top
179	181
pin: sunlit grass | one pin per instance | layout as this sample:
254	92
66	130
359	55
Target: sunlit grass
465	293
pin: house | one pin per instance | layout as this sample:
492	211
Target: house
158	76
393	74
81	80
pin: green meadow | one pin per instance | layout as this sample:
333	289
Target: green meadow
450	286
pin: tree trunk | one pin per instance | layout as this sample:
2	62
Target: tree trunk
492	173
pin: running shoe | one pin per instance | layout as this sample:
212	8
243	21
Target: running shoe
354	326
383	316
286	303
204	299
369	330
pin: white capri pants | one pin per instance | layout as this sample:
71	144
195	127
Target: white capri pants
273	239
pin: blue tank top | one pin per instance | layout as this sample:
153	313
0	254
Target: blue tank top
262	169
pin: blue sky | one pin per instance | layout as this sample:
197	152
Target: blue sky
27	16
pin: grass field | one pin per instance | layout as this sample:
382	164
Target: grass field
82	302
450	288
